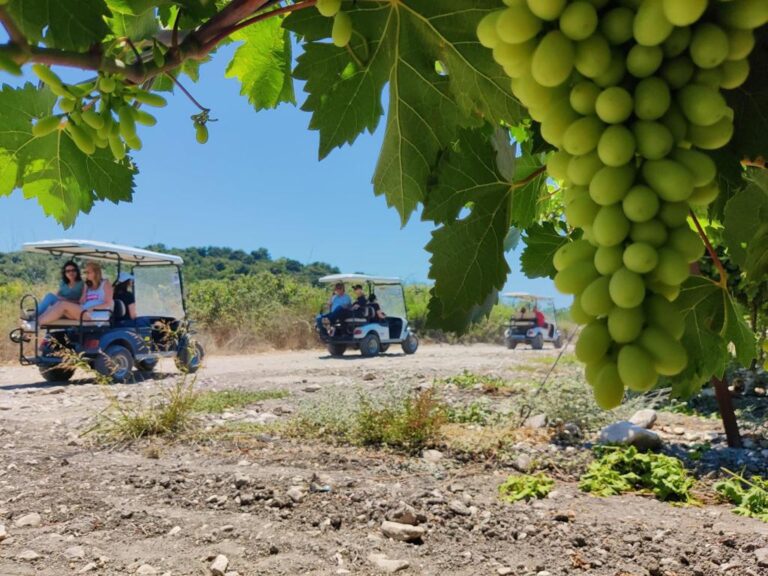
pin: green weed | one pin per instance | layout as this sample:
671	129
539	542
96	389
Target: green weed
469	381
525	487
217	401
749	496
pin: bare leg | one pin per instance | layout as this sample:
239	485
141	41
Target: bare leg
61	309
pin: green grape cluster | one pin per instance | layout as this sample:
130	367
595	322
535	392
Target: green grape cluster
630	94
341	33
101	113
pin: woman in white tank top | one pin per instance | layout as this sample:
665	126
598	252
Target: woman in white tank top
97	297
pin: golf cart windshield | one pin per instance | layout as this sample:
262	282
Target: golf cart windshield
158	291
391	299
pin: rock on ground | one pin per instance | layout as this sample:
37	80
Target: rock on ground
628	434
386	565
402	532
645	418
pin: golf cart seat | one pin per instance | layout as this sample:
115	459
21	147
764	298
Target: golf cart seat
66	323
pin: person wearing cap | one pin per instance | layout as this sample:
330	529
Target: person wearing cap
360	301
123	293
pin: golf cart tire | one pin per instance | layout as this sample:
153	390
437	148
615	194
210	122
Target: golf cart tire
537	342
511	344
558	343
190	356
384	348
50	374
116	362
410	344
337	349
370	345
147	367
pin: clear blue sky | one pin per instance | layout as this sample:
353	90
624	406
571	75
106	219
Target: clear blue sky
256	183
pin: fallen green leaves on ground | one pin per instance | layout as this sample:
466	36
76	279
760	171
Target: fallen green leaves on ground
620	470
217	401
525	487
749	496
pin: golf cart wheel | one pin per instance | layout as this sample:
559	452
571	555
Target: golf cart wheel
116	362
51	374
410	344
147	367
558	341
337	349
384	348
370	345
190	356
537	342
511	344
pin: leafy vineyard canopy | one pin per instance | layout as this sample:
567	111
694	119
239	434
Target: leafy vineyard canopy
457	141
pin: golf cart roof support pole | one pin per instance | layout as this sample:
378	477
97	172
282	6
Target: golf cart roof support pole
181	287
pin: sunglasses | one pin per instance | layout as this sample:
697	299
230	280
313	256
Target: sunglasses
68	270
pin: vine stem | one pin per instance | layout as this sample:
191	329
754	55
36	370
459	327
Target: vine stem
532	176
187	93
712	254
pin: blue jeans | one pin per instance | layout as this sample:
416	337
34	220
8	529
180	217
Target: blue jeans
47	301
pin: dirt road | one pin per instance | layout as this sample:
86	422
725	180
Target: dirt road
278	506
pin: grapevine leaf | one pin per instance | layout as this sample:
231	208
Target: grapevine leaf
541	243
756	261
745	214
263	64
506	154
133	7
64	180
707	356
400	43
136	27
64	24
525	198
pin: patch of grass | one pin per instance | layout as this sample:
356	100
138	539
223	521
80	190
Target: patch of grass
217	401
620	470
473	413
525	487
469	380
749	496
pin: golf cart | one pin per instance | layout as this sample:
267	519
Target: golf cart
361	329
113	348
523	327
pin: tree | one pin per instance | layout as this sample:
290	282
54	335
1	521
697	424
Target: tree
489	103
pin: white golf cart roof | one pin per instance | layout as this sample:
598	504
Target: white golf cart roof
526	296
333	278
102	251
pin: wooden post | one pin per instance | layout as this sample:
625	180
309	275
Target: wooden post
726	412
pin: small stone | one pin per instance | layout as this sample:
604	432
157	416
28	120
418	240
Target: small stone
523	463
219	565
28	555
386	565
313	388
432	456
759	391
146	570
537	421
626	433
644	418
459	508
90	567
402	532
242	480
295	493
678	430
74	552
503	571
762	557
404	514
173	531
3	533
32	519
369	376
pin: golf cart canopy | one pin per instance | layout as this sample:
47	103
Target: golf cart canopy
103	251
525	296
348	278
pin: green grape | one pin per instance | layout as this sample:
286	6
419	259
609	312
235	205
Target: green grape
740	43
627	288
577	312
596	300
700	165
685	12
687	242
669	179
593	342
677	42
45	126
583	97
574	279
640	257
101	142
704	195
676	123
668	354
610	226
571	253
579	20
149	98
735	73
650	26
640	204
674	214
517	24
47	76
127	123
636	368
582	136
702	105
615	72
117	147
614	105
642	61
515	58
547	9
67	105
106	126
711	77
592	369
143	117
593	56
611	184
662	314
709	45
625	324
9	65
201	133
581	211
582	169
711	137
328	8
608	388
616	146
654	140
82	138
616	25
557	165
608	259
653	232
553	59
341	32
668	291
487	33
93	119
133	142
571	193
652	98
678	72
557	120
672	268
106	84
531	93
744	14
